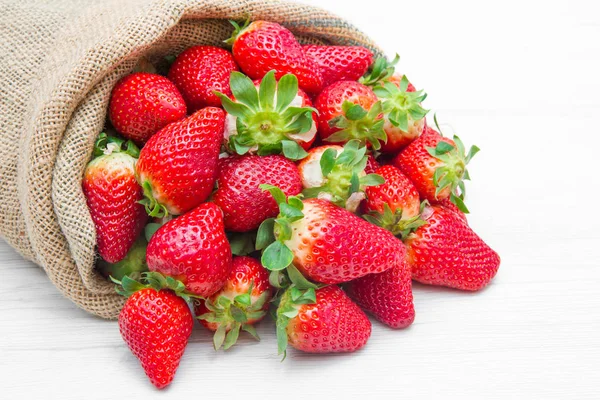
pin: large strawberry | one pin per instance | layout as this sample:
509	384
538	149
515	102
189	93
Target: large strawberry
388	295
446	252
156	325
340	63
337	174
395	204
324	242
143	103
200	71
321	321
241	303
350	110
437	167
178	166
113	196
193	248
245	205
268	117
263	46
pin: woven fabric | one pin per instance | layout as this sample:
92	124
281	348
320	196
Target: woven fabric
58	63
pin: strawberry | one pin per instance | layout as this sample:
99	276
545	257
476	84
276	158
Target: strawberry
133	265
241	303
113	196
193	248
268	117
372	165
349	110
337	174
446	252
339	63
178	166
388	295
321	321
245	206
143	103
324	242
263	46
437	166
156	325
201	70
393	205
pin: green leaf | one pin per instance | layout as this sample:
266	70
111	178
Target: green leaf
287	90
293	150
243	89
277	256
443	148
150	230
238	314
298	279
219	336
241	243
472	151
355	112
327	161
266	91
354	183
251	330
404	83
233	108
291	213
296	202
283	229
232	336
313	192
277	193
244	299
265	235
372	180
459	203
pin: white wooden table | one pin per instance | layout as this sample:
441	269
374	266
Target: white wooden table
521	79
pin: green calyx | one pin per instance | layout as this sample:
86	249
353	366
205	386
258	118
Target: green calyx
399	105
151	280
242	243
453	172
153	207
133	265
380	71
108	144
265	118
237	31
358	123
393	221
288	309
342	174
233	316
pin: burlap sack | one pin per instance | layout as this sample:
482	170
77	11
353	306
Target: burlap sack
58	62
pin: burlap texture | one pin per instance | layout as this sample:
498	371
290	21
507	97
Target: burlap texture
58	62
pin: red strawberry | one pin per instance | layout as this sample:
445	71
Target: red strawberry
446	252
201	70
388	295
245	206
142	103
326	243
268	117
156	324
394	205
113	196
372	164
349	110
241	303
340	63
178	166
193	248
437	166
264	46
321	321
337	174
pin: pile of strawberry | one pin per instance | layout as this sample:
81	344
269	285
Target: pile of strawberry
308	183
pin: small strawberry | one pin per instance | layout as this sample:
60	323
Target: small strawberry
324	242
263	46
241	303
446	252
193	248
388	295
141	104
156	325
321	321
200	71
178	166
372	165
245	205
394	205
113	196
350	110
337	174
268	117
133	265
437	166
340	63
